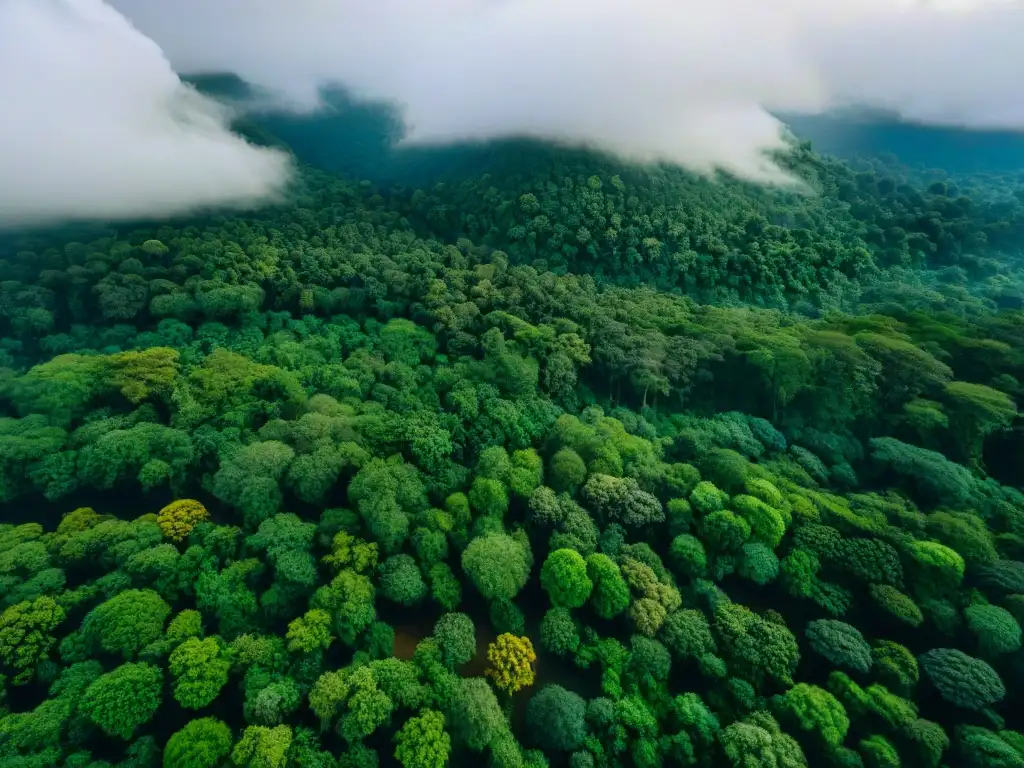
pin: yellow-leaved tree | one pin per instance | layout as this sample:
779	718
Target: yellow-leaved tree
178	518
512	659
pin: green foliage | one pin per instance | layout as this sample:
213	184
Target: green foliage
707	498
834	599
384	491
202	743
121	701
422	742
870	560
799	571
1002	576
126	623
399	681
506	616
541	352
474	715
894	710
691	713
879	752
929	741
767	524
840	643
995	628
26	636
758	742
688	634
961	679
349	598
379	640
250	480
489	496
353	695
564	577
648	659
621	500
456	639
895	665
556	719
724	531
981	748
200	669
610	595
897	604
647	615
188	623
758	647
976	410
687	555
310	632
566	470
558	632
431	546
932	477
445	588
815	709
678	516
400	580
269	700
263	747
758	563
497	564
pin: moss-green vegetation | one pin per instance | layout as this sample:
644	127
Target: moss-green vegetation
319	486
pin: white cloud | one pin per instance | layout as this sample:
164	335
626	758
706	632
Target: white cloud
650	79
96	124
102	126
950	62
684	80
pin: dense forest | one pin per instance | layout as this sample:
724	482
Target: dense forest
549	460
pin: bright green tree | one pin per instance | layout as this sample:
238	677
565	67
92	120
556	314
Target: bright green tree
202	743
815	709
200	670
422	742
263	747
310	632
564	577
497	564
610	595
127	622
124	699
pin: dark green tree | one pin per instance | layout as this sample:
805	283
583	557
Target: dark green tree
556	719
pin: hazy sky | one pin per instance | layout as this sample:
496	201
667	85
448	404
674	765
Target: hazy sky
100	125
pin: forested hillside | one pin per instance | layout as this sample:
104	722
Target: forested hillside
556	461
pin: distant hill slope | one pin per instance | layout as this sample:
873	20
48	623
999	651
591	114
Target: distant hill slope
955	150
577	211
